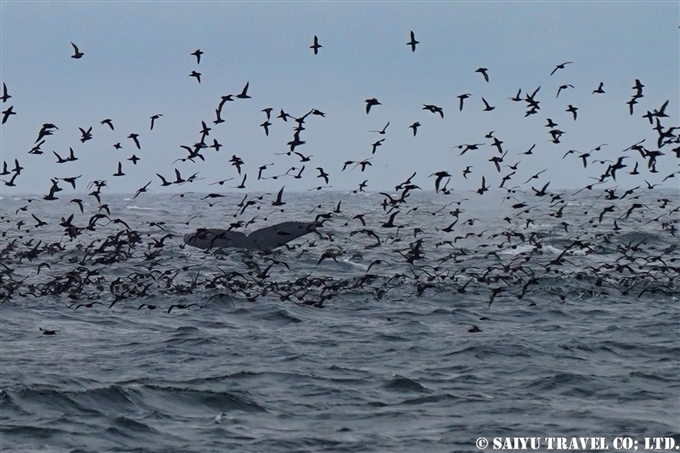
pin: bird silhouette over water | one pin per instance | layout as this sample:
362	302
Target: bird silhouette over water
322	174
484	187
278	201
517	272
440	175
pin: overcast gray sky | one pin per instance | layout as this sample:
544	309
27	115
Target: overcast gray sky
137	60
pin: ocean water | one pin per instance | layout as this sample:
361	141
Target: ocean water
555	319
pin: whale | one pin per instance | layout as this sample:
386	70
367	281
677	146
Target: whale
267	238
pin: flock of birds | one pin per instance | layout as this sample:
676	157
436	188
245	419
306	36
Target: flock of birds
446	264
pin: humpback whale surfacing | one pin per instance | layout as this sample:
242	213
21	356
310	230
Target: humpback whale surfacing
267	238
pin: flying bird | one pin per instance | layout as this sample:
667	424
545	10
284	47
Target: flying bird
141	189
196	74
17	167
236	162
382	132
197	53
440	175
483	72
572	109
5	96
178	178
322	174
462	97
164	182
370	103
85	134
6	113
120	170
563	87
135	139
599	89
434	109
76	53
154	118
243	94
374	146
278	201
484	187
10	183
560	66
412	42
316	46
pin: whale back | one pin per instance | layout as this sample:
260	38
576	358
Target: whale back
207	238
277	235
267	238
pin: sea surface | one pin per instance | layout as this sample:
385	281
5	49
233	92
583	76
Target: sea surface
516	321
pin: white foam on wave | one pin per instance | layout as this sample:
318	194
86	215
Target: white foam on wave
551	249
143	209
528	248
525	248
359	265
577	252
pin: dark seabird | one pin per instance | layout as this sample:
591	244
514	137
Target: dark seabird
316	46
6	113
76	53
370	103
560	66
244	92
197	53
5	96
412	42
